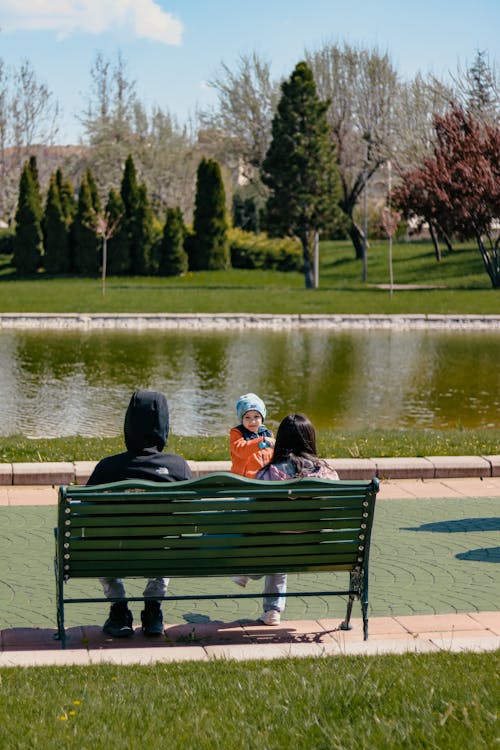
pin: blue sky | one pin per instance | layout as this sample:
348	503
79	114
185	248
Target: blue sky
173	47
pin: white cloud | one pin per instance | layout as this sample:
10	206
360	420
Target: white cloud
144	18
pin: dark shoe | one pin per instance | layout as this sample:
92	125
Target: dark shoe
119	622
152	619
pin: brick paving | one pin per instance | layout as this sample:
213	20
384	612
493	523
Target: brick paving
434	583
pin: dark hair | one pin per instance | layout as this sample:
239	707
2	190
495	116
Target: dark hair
296	442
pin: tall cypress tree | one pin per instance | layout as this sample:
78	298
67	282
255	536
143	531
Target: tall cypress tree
33	167
66	196
84	240
118	246
209	246
129	192
96	201
56	257
299	167
142	238
172	257
28	236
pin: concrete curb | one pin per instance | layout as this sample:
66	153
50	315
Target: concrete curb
427	467
459	632
217	321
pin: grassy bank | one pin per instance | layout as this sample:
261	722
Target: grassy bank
458	284
331	444
442	700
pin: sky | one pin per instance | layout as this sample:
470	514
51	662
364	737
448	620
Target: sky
173	48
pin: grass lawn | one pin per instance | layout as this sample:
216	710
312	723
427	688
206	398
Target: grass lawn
441	700
331	444
458	284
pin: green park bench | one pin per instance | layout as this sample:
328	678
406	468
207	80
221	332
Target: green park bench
217	525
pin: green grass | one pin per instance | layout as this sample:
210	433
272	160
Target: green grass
331	444
442	700
467	287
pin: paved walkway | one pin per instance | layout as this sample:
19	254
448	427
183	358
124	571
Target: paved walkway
452	524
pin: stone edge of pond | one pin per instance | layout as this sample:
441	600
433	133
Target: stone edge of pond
221	321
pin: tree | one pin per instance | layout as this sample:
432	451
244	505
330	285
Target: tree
34	112
56	257
459	186
116	125
66	196
28	236
360	86
118	247
240	124
129	193
84	240
143	234
172	257
299	168
478	89
209	247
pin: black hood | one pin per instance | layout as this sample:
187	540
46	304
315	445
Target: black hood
146	421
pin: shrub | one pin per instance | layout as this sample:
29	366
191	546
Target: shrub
6	241
250	250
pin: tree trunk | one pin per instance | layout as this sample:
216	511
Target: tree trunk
435	241
491	262
308	268
357	239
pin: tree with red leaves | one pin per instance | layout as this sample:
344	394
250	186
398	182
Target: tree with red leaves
457	189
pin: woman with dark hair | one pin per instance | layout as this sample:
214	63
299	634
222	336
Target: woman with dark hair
295	456
295	453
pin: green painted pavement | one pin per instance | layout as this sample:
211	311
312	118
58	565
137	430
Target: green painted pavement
429	556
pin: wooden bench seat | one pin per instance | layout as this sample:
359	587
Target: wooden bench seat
218	525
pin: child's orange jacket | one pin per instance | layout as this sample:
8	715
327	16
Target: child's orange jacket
247	457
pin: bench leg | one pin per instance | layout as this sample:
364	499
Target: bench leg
61	632
364	610
345	624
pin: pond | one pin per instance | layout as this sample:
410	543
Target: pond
57	383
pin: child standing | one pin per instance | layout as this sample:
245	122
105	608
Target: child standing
251	443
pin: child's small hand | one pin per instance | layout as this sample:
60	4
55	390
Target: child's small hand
270	441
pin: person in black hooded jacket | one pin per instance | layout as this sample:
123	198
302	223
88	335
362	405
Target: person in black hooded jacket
146	432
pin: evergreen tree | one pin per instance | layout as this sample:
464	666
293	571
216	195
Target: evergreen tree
96	201
299	168
84	240
142	234
28	235
66	196
172	257
129	192
33	167
209	246
118	245
55	233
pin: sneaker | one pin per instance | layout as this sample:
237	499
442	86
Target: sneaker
152	619
119	622
271	617
240	580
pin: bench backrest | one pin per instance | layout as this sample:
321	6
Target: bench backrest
215	525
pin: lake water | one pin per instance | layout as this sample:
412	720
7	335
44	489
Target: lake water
56	383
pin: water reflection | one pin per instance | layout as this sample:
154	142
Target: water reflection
67	383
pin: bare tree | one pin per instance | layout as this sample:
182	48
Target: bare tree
33	110
240	124
116	124
416	104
